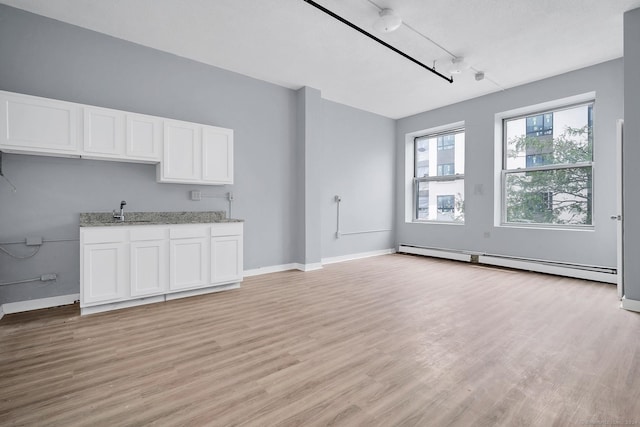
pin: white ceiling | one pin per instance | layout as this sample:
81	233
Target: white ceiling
292	44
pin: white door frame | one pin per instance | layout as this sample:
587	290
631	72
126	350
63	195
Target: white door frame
619	205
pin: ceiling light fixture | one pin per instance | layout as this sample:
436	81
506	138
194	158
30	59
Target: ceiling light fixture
371	36
388	21
458	65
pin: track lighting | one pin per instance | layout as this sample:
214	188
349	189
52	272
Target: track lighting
376	39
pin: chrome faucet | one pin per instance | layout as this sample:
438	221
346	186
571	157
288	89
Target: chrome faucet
121	216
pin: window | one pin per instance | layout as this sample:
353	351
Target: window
446	207
439	191
446	142
548	167
446	169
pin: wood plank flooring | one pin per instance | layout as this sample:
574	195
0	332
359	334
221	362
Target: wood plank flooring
393	340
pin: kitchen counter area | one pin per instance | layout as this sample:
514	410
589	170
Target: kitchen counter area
106	219
156	256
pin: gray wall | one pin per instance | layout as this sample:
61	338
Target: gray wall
44	57
359	165
631	152
596	247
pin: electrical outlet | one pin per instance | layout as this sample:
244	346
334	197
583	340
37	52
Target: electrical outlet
34	241
230	196
196	195
48	277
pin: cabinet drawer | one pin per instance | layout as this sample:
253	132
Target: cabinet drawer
138	234
105	235
226	229
188	232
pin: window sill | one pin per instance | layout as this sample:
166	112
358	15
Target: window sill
559	227
415	221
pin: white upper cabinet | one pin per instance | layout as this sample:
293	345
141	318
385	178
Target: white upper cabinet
217	155
103	132
196	154
38	125
143	138
187	153
182	147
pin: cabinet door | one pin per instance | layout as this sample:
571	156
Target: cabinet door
29	123
226	259
181	152
149	262
143	137
105	273
217	155
103	132
188	265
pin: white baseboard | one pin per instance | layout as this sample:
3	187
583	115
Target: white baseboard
271	269
350	257
282	267
541	267
315	265
630	304
310	267
437	253
37	304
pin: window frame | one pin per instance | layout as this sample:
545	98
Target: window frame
504	171
453	130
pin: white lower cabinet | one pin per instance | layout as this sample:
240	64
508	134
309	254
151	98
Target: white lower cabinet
122	266
105	273
226	259
149	267
188	263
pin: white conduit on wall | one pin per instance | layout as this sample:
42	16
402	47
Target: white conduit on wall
339	233
197	195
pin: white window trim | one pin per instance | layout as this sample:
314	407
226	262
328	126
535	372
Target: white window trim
409	172
498	158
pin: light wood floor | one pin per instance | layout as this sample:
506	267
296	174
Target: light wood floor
387	341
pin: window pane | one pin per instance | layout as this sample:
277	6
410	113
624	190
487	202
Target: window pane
440	200
559	196
444	153
422	157
422	202
559	137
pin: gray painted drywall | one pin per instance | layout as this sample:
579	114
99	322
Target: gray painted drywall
358	158
47	58
309	141
631	152
594	247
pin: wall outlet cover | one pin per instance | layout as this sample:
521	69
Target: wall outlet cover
34	241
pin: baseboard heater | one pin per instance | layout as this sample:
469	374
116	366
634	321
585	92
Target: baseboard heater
578	271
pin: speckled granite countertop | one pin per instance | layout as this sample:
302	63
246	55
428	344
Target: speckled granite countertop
102	219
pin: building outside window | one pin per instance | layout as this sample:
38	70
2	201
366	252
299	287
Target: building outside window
439	190
548	167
